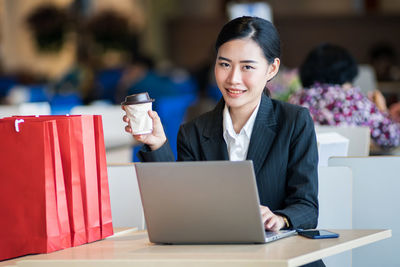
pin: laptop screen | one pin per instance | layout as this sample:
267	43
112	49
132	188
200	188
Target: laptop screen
200	202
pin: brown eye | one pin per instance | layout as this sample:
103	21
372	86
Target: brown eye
248	67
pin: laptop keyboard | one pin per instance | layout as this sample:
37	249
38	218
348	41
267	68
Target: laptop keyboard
269	233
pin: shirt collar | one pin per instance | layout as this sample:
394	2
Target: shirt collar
247	128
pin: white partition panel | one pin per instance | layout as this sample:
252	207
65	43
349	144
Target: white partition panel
126	205
376	198
335	206
335	197
359	137
329	145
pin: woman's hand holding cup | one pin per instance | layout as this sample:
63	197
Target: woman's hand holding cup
143	123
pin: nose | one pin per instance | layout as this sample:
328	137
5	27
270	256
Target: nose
234	76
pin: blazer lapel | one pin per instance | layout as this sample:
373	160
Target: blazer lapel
213	143
263	134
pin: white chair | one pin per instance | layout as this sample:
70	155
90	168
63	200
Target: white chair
335	212
118	143
7	110
34	108
376	198
331	144
359	137
126	205
366	79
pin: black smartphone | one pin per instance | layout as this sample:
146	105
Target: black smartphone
317	234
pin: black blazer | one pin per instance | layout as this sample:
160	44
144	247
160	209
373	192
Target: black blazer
283	150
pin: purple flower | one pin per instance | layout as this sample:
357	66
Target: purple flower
333	105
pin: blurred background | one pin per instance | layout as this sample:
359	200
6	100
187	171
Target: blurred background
68	55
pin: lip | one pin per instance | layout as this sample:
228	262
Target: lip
233	92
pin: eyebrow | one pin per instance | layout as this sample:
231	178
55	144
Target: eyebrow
242	61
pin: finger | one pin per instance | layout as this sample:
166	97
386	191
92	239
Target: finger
154	115
125	118
271	223
265	213
279	223
123	107
157	125
274	228
128	129
267	217
138	137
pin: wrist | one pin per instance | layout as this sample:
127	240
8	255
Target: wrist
158	144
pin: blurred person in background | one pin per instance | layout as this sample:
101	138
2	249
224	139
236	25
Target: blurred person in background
327	74
136	71
384	61
109	38
140	74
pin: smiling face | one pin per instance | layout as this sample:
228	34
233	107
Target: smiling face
242	71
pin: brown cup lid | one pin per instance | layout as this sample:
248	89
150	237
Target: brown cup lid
137	99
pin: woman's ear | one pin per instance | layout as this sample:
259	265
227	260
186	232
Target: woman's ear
273	69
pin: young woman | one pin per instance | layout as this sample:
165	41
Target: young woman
246	124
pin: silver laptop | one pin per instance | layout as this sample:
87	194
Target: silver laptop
202	202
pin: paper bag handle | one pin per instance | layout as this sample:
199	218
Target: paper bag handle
17	122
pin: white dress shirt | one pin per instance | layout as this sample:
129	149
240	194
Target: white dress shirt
237	144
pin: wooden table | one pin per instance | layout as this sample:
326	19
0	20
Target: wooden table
132	248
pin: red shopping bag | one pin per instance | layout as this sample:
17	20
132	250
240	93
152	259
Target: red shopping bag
62	206
81	135
104	193
85	171
70	157
34	215
83	130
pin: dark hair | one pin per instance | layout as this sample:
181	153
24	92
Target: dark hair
328	64
259	30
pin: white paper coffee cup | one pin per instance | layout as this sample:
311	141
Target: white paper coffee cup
137	108
139	119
